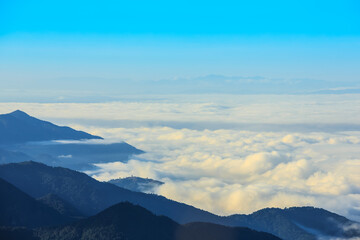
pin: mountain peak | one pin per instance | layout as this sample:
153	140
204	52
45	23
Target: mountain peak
19	113
19	127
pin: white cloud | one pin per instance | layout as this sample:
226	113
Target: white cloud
230	171
65	156
206	161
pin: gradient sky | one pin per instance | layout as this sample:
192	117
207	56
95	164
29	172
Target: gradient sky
86	47
100	51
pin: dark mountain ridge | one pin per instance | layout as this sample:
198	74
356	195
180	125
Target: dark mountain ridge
127	221
19	127
25	138
19	209
298	223
22	217
90	197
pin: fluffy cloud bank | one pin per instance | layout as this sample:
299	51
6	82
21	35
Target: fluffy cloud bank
230	171
296	150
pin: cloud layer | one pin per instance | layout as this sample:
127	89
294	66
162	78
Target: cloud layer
231	154
230	171
224	109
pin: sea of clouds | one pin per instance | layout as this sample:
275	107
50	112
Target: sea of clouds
230	171
231	154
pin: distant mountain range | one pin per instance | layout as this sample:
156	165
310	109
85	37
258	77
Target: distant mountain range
91	197
121	221
19	127
314	223
33	195
25	138
126	221
137	184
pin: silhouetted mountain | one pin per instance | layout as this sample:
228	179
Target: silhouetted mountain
126	221
25	138
299	223
211	231
19	127
136	183
19	209
61	206
91	197
325	222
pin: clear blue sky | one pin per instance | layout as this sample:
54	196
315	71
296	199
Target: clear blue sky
50	44
190	18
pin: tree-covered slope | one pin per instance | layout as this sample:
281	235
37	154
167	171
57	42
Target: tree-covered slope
91	197
19	209
127	221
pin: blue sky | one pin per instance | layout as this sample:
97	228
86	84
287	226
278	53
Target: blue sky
104	51
189	18
90	47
